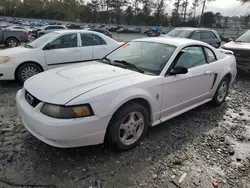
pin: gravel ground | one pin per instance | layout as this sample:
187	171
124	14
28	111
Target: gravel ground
198	148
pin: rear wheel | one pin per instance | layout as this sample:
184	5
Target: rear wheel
12	42
221	92
26	71
128	127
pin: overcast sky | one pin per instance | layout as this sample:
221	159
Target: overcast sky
225	7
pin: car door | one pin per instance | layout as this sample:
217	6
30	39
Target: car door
96	44
63	51
183	91
210	38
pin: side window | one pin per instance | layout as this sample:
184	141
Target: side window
210	55
91	40
213	35
196	36
207	35
190	57
66	41
59	27
48	28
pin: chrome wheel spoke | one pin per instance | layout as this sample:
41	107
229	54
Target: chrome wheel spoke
131	128
222	91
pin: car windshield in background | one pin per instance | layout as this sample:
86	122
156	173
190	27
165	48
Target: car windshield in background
42	40
179	33
148	56
245	37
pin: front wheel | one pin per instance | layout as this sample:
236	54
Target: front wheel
26	71
221	92
12	42
128	127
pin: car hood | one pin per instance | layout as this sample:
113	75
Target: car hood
13	51
59	86
236	45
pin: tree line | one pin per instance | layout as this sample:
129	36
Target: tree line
131	12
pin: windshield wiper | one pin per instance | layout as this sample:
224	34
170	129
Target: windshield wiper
107	60
130	65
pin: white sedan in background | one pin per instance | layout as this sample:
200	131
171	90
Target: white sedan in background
143	83
53	50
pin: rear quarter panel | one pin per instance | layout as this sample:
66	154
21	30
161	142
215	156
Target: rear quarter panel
20	35
226	64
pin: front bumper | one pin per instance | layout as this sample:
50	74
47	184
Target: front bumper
7	71
63	133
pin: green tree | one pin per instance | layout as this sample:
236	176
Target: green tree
129	15
208	19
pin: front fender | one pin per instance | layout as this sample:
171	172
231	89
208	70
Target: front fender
128	95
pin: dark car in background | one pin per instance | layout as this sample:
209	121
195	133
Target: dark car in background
73	26
103	31
135	30
209	36
115	28
240	45
13	38
123	30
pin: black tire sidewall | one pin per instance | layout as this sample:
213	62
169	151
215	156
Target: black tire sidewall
215	100
8	40
113	129
19	77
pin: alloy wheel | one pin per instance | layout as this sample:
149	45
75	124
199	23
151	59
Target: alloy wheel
131	128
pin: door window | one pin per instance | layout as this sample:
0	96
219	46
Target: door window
210	55
66	41
207	35
196	36
191	57
91	40
48	28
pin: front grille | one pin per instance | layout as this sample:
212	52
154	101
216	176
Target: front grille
241	55
33	101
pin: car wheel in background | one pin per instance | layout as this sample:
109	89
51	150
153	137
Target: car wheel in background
26	71
128	127
12	42
221	92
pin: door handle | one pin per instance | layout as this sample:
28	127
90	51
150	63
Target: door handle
76	50
207	72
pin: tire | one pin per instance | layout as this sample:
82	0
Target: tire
26	71
221	94
135	119
12	42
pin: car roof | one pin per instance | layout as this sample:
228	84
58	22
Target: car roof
74	31
171	41
193	29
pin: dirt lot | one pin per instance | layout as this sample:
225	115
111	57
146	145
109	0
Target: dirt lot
203	146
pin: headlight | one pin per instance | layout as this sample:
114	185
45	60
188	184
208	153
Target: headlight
4	60
67	112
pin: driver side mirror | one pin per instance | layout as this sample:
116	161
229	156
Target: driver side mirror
178	70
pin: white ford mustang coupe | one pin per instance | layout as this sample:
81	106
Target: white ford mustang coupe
143	83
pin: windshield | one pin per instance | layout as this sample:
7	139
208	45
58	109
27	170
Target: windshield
42	40
245	37
148	56
179	33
